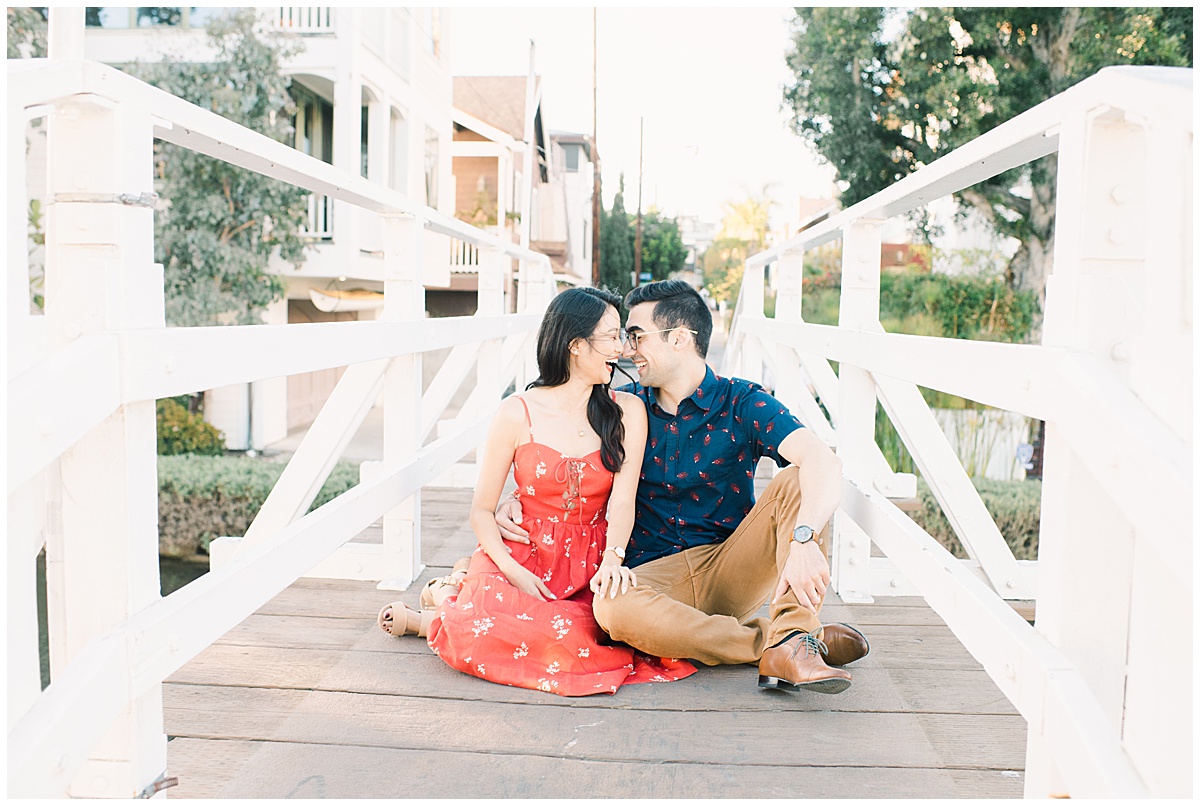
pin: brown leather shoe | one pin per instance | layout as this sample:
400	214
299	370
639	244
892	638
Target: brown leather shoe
796	665
843	643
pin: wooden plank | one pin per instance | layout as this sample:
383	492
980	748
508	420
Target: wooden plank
283	770
561	729
205	766
977	741
416	672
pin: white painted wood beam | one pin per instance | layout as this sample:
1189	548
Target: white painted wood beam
319	451
1162	92
182	360
1035	676
957	496
1016	377
190	126
49	744
58	401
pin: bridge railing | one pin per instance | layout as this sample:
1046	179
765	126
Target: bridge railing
83	380
1104	675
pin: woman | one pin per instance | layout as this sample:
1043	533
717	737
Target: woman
523	614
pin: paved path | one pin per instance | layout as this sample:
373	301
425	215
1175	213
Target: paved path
308	698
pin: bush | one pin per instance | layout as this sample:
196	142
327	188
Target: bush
204	497
1016	506
180	431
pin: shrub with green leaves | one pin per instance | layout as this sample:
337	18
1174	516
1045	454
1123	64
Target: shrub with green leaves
180	431
204	497
1016	506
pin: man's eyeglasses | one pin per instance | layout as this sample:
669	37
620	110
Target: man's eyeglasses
633	336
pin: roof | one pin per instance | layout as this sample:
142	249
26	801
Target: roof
496	100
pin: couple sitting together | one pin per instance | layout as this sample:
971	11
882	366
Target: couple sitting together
633	541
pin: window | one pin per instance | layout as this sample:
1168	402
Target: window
148	17
431	167
571	151
366	118
313	124
106	17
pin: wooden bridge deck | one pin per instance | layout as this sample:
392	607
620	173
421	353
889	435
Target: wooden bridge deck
308	698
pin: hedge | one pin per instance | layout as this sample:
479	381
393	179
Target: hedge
1016	506
204	497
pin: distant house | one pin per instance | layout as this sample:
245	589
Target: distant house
373	91
492	132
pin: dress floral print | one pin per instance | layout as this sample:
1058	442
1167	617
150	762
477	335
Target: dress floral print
497	632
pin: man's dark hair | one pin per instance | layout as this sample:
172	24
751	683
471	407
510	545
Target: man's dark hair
679	305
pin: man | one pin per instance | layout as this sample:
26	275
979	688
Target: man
706	555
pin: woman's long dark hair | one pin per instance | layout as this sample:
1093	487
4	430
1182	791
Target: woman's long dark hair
572	315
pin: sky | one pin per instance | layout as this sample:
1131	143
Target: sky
707	81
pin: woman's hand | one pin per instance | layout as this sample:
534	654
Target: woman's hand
525	580
610	576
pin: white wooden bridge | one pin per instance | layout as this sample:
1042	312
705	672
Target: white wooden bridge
1100	685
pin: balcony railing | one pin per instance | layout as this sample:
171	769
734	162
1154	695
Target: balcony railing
319	226
305	19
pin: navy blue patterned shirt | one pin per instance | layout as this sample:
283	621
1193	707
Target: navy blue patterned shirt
697	481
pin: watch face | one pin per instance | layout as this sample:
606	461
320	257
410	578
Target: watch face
802	534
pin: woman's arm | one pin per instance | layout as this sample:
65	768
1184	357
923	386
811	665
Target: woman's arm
621	501
508	427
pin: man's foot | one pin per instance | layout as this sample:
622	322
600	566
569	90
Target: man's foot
843	643
796	665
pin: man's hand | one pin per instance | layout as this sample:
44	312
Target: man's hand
610	576
806	572
508	516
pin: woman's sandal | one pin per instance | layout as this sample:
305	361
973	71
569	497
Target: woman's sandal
453	579
399	619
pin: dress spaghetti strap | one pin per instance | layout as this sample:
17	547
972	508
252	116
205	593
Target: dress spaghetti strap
528	422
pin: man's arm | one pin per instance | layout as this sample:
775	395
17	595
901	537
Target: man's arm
819	471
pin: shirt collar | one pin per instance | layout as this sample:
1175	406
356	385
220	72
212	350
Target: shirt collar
704	396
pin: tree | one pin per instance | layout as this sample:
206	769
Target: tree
616	245
217	225
27	32
663	252
878	110
745	230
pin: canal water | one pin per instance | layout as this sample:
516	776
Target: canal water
174	573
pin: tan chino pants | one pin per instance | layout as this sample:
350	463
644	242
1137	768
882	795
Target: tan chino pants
698	603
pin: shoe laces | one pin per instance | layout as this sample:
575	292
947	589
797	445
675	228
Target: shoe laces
811	644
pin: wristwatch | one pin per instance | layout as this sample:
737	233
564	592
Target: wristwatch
620	552
803	534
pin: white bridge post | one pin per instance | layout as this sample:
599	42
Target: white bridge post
752	308
861	248
404	299
1121	293
102	559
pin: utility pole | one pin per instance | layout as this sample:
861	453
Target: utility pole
637	238
595	170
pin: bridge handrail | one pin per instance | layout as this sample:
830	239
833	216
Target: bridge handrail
115	340
1110	380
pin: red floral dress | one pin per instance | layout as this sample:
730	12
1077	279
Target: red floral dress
496	632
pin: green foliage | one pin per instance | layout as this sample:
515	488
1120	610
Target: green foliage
219	224
724	263
181	431
1015	506
962	306
663	252
204	497
879	110
616	245
37	260
27	32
